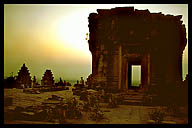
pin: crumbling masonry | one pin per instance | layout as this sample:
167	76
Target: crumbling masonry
124	36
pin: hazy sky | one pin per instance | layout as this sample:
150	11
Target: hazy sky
53	37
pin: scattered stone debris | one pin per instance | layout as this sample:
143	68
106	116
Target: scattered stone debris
93	107
112	101
8	101
96	113
44	89
31	91
60	110
52	109
157	115
84	95
162	122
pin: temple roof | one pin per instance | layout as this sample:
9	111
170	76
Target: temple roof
132	11
133	27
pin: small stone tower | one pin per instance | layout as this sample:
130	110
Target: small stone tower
24	78
47	79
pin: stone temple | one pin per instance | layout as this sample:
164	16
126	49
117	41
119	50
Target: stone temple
122	37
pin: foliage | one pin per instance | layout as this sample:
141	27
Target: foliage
94	108
157	116
73	109
96	113
86	107
113	102
64	110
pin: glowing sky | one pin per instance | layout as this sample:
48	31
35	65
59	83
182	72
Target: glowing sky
136	75
53	37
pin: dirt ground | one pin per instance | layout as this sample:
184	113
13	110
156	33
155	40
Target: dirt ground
123	114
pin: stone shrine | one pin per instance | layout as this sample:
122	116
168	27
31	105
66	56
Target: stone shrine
47	79
122	37
24	78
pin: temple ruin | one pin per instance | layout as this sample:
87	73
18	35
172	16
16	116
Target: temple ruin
24	78
122	37
47	79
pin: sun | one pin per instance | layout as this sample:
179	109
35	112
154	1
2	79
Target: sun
72	32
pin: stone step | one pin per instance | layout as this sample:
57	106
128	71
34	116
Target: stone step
138	99
128	94
131	102
139	90
134	94
134	97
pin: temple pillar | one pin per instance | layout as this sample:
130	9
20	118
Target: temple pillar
126	75
148	69
113	68
143	73
129	75
120	65
154	69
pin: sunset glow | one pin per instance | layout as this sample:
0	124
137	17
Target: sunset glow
54	37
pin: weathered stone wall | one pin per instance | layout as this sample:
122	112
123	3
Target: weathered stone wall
119	32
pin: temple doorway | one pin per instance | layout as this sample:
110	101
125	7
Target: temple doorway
135	76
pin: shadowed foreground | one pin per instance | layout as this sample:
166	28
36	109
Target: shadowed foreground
120	114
